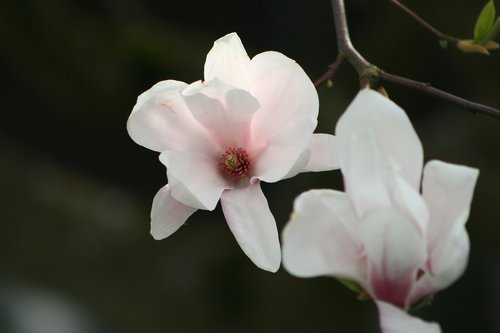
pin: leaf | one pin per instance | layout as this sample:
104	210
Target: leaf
484	22
492	33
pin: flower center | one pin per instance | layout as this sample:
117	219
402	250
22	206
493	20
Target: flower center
235	163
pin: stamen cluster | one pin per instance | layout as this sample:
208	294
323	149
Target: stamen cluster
235	163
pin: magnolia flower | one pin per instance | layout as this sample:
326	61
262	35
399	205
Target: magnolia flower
251	120
397	244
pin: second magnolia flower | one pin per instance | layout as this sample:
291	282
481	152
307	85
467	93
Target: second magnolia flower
251	120
397	231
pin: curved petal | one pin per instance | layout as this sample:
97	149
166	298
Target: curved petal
285	93
285	154
410	202
167	214
395	250
228	61
394	320
364	173
400	146
318	239
161	121
195	179
324	154
448	263
447	190
225	112
252	224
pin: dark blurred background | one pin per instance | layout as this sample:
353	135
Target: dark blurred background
75	250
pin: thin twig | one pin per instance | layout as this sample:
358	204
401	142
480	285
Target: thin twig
422	22
332	69
428	89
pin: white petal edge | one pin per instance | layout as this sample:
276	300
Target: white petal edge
319	238
448	190
248	216
167	214
161	121
324	154
394	320
228	61
398	142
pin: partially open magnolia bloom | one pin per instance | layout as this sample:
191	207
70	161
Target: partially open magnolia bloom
399	244
251	120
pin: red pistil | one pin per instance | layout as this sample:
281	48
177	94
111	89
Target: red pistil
235	163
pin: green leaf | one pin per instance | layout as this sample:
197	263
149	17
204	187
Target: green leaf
353	285
484	22
492	33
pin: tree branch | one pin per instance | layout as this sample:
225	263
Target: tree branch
422	22
370	75
332	69
428	89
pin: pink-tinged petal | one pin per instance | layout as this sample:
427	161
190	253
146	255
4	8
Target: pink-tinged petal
399	145
394	320
324	154
195	179
447	190
285	155
225	112
410	202
167	214
228	61
161	121
395	250
318	239
364	173
252	224
448	262
286	94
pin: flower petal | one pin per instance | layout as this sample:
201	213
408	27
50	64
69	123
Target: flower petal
318	239
161	121
285	154
228	61
286	94
194	178
225	112
447	263
364	173
410	202
252	224
167	214
447	189
400	146
324	155
395	250
394	320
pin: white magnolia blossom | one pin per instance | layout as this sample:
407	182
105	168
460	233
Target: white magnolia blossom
398	243
250	120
